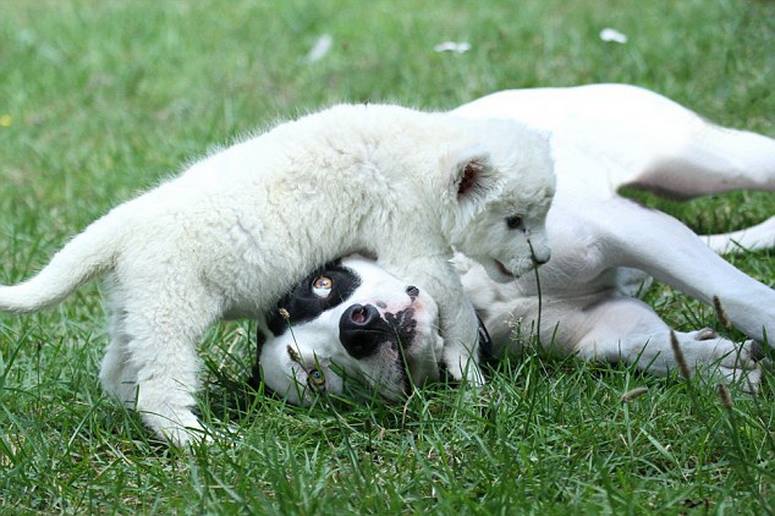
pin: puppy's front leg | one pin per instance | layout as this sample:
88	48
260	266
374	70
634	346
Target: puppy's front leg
459	327
457	318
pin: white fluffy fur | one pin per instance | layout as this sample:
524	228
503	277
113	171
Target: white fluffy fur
604	137
238	228
603	246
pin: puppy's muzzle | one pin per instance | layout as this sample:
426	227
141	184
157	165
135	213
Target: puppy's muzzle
539	252
362	330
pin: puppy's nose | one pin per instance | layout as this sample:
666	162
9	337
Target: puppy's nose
361	330
542	258
412	291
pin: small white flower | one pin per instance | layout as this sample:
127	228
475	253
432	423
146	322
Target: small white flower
609	34
321	47
458	47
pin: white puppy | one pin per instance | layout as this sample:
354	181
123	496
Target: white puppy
238	228
603	137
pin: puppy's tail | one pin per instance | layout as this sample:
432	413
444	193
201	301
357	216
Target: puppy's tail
89	254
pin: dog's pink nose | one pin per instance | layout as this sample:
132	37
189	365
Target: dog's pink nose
362	315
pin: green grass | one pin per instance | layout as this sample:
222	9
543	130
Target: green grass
101	99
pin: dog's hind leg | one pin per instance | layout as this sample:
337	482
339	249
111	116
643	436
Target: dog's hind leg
622	329
663	247
637	137
710	159
163	329
653	142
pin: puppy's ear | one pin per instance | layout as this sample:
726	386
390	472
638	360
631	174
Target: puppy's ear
472	174
469	177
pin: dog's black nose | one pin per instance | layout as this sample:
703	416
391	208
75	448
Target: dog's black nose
361	330
412	291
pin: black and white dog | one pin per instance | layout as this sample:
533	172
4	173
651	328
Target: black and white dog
352	318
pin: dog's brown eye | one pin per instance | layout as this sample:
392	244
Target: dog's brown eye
316	379
515	222
322	285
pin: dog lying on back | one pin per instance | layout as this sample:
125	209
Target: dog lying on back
603	247
240	227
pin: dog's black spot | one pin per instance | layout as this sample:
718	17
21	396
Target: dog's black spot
404	325
255	379
302	304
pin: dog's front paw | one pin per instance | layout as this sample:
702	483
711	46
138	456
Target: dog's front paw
747	380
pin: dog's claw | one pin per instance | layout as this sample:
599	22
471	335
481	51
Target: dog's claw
706	334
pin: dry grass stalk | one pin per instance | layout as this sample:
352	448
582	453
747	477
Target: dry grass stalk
721	315
632	394
724	396
679	356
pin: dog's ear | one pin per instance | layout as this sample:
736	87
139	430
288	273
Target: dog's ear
472	173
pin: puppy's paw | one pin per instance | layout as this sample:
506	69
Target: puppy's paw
462	367
474	376
180	428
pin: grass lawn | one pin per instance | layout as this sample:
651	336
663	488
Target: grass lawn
101	99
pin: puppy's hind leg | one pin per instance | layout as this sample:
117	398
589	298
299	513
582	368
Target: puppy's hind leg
116	374
164	327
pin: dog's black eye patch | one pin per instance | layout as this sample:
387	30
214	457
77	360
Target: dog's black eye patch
303	304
